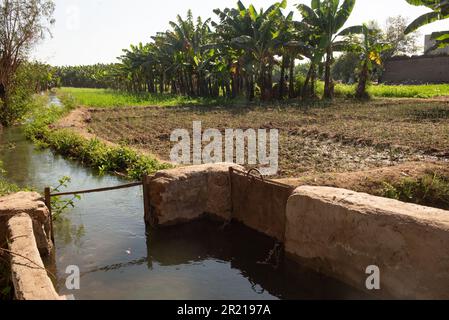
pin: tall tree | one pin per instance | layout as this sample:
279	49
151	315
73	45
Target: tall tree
401	43
22	24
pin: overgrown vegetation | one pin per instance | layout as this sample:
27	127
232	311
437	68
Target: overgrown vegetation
59	205
5	186
22	25
93	153
432	189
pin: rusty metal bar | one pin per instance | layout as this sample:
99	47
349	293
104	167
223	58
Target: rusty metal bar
262	179
130	185
146	195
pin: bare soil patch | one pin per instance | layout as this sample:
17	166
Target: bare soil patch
343	137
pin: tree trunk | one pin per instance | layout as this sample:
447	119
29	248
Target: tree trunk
3	106
269	83
291	77
363	79
282	80
313	83
305	89
328	85
250	88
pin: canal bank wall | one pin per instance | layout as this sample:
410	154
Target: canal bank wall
25	224
339	233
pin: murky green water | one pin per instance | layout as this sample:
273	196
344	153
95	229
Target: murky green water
105	236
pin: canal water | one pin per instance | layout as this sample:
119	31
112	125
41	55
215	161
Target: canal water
105	236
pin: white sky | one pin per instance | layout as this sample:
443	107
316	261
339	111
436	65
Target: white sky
92	31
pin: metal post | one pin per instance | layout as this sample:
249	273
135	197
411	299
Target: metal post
146	198
48	204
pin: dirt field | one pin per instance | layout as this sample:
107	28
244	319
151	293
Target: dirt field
344	137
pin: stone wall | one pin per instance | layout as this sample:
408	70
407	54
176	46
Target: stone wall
416	70
25	222
341	232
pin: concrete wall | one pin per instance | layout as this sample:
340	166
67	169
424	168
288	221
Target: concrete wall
260	204
419	70
334	231
29	275
341	232
25	222
184	194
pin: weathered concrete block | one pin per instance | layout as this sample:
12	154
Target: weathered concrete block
185	194
29	276
32	204
341	233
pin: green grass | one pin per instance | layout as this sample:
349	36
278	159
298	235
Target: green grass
104	98
388	91
432	190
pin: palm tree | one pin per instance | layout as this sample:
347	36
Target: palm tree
440	11
326	18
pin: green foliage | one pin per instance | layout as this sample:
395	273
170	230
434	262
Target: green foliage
345	67
5	186
58	204
22	25
93	76
90	152
431	190
440	11
391	91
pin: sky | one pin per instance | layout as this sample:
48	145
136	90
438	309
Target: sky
93	31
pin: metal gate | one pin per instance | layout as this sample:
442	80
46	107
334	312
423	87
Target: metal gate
259	203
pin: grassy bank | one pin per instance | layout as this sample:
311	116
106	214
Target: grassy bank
92	153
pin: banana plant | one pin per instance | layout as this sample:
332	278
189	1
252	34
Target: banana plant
255	35
326	18
367	42
440	11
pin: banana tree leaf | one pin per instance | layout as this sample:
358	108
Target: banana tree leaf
440	36
427	3
422	21
353	30
344	13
